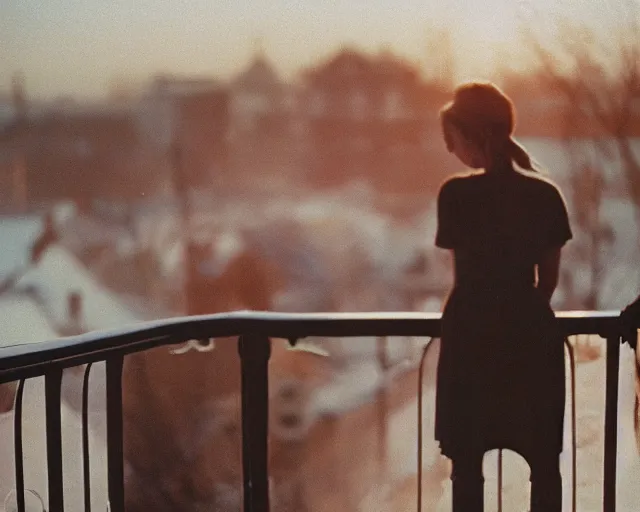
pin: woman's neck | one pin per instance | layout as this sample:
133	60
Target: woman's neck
499	166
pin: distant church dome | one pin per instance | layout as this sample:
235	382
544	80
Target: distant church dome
260	75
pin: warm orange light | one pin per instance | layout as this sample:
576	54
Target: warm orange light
489	34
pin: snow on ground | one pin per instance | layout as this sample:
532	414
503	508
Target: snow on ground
29	315
590	384
335	225
349	389
24	322
359	376
403	431
35	449
57	274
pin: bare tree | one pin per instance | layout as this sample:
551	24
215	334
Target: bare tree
586	189
600	82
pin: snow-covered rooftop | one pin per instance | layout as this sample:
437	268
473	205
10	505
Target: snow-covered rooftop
59	273
17	234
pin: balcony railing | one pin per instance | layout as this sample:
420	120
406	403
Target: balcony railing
254	330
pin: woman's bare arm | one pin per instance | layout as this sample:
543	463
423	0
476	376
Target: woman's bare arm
548	272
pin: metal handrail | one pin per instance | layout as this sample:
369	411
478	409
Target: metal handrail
254	330
574	426
95	346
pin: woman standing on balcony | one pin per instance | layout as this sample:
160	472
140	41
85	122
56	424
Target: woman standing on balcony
501	381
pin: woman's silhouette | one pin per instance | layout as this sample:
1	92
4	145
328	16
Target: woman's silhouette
501	381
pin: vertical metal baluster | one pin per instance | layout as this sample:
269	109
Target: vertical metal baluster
574	440
17	441
611	423
423	357
381	353
115	450
85	439
255	351
245	408
500	461
52	391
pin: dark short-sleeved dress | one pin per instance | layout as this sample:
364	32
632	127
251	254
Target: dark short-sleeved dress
501	378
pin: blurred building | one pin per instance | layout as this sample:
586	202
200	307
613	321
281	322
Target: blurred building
190	115
78	153
7	109
266	137
368	117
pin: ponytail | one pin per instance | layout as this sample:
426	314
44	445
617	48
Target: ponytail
520	156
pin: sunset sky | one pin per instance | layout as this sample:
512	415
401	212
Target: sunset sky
79	47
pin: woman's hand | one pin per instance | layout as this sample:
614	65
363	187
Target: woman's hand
548	272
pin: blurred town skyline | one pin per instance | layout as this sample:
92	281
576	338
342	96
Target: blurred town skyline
354	116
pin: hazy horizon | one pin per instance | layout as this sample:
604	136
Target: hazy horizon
81	48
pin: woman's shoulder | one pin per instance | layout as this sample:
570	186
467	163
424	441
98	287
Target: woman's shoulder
544	184
459	181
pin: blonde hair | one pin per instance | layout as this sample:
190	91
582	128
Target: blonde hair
484	115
